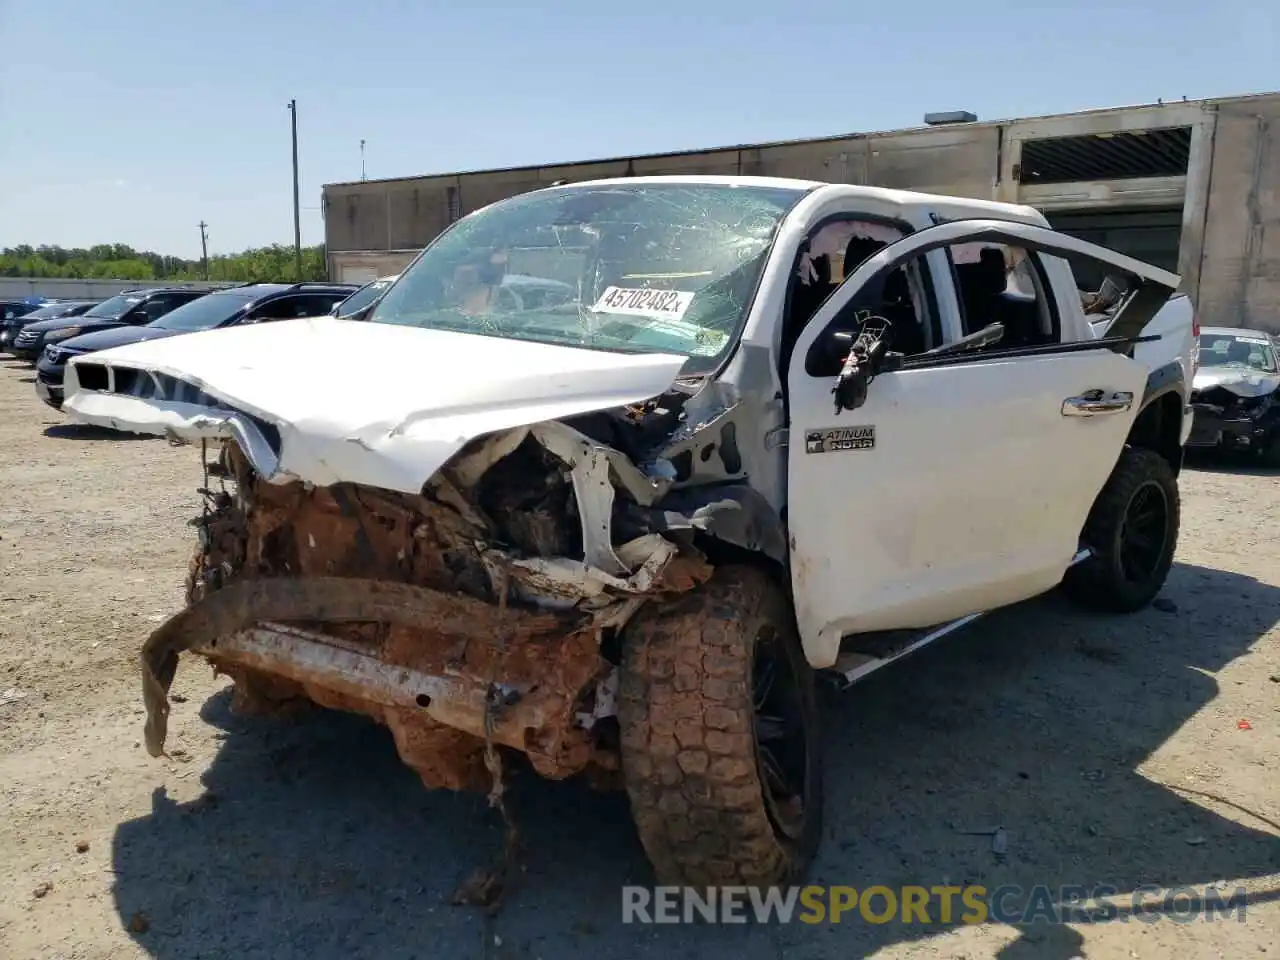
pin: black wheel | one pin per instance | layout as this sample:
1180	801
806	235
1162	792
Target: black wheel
720	749
1133	533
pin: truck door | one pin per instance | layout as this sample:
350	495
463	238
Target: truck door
963	480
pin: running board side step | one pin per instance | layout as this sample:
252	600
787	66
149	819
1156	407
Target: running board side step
853	666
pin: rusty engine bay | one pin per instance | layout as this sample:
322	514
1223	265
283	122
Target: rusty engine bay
485	612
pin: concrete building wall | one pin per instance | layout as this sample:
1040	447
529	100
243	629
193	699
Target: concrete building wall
1240	255
15	287
1225	200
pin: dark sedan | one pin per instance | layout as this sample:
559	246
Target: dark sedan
132	308
55	310
11	307
250	303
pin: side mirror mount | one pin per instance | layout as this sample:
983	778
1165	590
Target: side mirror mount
866	356
842	342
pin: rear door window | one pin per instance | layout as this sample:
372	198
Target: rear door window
296	306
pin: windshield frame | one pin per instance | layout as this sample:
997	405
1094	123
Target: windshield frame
792	193
204	301
1261	339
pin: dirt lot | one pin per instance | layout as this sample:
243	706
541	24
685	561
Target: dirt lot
306	838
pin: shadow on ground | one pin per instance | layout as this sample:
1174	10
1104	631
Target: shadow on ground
313	840
1236	464
84	431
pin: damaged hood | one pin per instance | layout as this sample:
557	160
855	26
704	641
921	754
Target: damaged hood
1240	380
370	403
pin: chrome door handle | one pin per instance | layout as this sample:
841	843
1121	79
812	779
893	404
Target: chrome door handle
1094	403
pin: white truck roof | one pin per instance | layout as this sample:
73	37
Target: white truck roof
969	208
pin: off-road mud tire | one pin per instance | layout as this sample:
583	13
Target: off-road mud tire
1099	583
689	746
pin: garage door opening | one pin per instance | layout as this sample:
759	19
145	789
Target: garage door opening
357	275
1153	236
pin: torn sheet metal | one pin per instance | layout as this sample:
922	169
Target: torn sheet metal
177	421
734	513
593	470
561	583
326	419
705	448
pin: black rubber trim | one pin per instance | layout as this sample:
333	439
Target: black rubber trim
1045	350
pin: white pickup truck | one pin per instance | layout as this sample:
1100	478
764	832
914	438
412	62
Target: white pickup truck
778	428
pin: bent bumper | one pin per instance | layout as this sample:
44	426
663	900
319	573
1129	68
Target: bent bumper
27	353
447	670
1211	430
50	393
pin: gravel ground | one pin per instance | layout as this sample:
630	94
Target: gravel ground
1080	736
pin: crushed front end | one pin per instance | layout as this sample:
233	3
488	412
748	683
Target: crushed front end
1227	420
481	612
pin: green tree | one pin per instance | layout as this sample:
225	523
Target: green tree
118	261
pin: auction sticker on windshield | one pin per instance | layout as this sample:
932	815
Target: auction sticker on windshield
644	302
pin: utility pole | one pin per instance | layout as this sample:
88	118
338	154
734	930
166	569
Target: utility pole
297	221
362	176
204	250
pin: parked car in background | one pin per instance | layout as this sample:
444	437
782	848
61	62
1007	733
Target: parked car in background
363	297
14	307
248	303
52	310
131	308
1236	393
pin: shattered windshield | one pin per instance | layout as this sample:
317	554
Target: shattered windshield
645	267
1226	350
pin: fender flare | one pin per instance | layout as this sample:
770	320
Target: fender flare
1165	380
1162	382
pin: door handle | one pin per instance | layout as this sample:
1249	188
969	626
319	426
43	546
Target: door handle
1094	403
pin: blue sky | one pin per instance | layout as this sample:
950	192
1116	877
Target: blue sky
146	116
